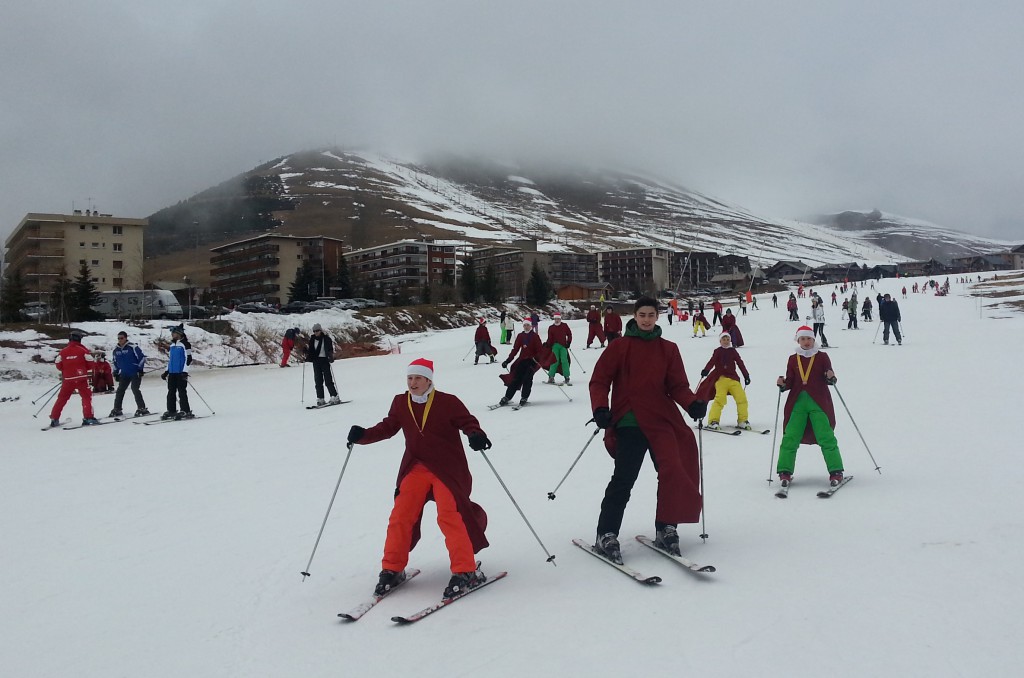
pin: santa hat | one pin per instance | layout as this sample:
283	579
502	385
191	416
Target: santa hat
805	331
725	335
527	321
422	367
556	316
481	320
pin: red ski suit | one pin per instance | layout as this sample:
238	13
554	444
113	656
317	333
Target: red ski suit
435	465
74	362
594	323
646	377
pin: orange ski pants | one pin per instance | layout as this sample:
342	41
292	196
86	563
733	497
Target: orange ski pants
416	487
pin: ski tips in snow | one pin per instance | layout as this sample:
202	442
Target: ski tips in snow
682	560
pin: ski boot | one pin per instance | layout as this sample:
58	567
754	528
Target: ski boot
504	401
551	379
785	479
713	425
462	582
184	415
567	382
607	545
835	478
745	425
142	412
667	539
55	423
388	580
522	401
168	415
320	402
335	400
90	421
116	413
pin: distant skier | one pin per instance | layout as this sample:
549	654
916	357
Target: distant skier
482	341
647	381
528	346
701	324
434	467
729	325
889	315
102	374
74	362
716	306
287	344
559	341
179	357
818	317
129	365
809	415
721	370
866	310
508	326
594	326
320	352
612	325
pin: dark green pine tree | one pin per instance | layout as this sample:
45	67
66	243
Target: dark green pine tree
84	296
61	298
343	280
13	298
538	289
469	282
490	289
303	287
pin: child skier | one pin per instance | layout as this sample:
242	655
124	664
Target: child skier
434	467
723	365
700	322
594	326
528	345
809	415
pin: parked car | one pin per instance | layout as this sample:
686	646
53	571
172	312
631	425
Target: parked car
35	310
255	307
295	307
318	306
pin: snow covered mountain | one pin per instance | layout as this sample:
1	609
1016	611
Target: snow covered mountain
367	198
914	238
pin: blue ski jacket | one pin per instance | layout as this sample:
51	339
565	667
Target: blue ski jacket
129	360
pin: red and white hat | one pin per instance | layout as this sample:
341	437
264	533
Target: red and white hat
422	367
481	319
804	331
556	316
527	321
725	335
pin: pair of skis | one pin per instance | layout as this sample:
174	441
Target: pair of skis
514	406
171	420
326	405
736	430
783	491
358	611
642	578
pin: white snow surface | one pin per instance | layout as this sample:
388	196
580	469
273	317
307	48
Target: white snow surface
175	549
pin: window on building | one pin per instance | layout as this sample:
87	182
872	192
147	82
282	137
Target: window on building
81	261
118	264
95	262
118	282
81	227
118	247
95	245
95	227
118	230
95	279
298	256
81	244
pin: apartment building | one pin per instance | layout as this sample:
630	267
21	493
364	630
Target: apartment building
263	268
636	269
514	264
44	246
409	264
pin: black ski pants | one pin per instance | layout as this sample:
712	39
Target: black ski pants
820	328
631	445
322	373
177	384
523	379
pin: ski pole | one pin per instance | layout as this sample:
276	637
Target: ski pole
305	573
55	386
36	415
189	382
582	368
880	323
551	558
467	353
302	399
775	433
857	428
700	459
551	494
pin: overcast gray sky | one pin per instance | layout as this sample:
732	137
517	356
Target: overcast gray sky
785	107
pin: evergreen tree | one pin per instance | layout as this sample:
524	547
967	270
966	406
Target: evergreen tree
425	297
304	285
490	289
61	298
84	296
343	280
538	289
13	298
469	282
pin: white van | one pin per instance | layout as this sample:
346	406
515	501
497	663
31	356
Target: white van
139	304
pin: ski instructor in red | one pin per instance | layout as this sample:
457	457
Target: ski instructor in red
646	378
434	468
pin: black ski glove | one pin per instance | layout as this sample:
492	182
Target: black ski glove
355	434
697	409
478	441
704	373
603	417
832	381
117	375
505	364
746	380
164	375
